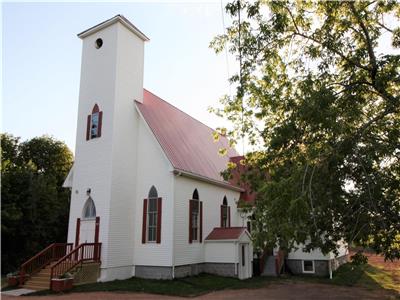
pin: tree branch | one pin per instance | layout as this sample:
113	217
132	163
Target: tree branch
368	41
297	32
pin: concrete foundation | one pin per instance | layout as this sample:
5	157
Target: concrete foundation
321	267
221	269
154	272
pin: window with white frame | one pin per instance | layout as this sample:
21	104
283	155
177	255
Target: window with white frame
308	266
94	127
152	213
195	216
94	123
224	213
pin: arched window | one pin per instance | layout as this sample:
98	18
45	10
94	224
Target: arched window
89	210
94	123
195	218
152	217
153	192
195	195
225	214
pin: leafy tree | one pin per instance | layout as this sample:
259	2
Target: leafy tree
318	98
35	207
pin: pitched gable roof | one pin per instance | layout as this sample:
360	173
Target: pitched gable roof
188	143
229	233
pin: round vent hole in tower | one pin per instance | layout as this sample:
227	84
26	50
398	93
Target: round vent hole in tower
99	43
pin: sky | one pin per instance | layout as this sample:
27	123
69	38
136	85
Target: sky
41	58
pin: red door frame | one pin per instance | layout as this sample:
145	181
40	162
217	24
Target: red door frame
96	239
78	230
96	235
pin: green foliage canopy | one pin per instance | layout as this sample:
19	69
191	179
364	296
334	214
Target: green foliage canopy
35	207
319	99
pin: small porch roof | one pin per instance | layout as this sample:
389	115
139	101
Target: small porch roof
228	233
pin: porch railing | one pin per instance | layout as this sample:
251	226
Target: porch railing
84	252
51	253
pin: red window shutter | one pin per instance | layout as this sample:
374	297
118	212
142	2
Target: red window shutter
222	216
201	223
159	211
100	123
190	221
144	221
229	216
88	127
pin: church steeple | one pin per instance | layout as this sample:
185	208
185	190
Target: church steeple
107	132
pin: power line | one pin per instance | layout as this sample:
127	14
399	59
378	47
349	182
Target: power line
226	50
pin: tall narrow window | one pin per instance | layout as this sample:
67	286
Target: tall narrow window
195	218
243	256
89	210
152	217
94	128
225	214
94	123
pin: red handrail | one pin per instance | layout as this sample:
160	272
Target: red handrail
50	253
84	252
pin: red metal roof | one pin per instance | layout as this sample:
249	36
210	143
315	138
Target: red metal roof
230	233
188	143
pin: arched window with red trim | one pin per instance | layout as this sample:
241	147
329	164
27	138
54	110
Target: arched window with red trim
195	218
225	214
94	123
152	209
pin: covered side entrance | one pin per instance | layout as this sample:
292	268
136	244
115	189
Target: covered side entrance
229	252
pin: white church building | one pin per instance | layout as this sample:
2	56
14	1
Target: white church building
146	180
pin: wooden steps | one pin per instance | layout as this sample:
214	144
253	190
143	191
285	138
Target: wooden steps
41	280
67	258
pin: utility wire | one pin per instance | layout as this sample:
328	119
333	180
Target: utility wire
226	49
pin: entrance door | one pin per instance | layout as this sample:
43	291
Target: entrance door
244	264
87	231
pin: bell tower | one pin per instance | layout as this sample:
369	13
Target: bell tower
105	154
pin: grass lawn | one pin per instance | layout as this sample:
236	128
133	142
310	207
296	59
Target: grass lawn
186	287
367	276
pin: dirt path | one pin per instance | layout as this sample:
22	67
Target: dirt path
302	291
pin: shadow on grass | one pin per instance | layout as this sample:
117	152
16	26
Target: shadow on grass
185	287
366	276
